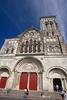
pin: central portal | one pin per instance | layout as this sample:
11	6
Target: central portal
30	79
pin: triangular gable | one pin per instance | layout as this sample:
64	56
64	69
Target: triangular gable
32	29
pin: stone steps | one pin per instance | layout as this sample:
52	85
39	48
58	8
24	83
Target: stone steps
55	95
32	94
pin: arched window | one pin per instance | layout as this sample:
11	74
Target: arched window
57	49
26	46
30	46
51	24
50	49
7	51
46	23
47	34
12	50
22	47
39	46
34	46
26	43
56	25
52	33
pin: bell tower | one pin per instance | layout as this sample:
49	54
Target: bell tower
48	23
54	43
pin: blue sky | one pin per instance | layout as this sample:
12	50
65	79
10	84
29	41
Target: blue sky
16	16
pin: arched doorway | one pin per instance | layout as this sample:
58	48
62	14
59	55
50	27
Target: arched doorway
28	80
29	71
57	76
3	81
57	81
4	74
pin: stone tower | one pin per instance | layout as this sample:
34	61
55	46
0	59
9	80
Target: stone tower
54	43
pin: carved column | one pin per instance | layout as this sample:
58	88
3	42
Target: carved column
24	49
49	26
66	83
45	46
38	79
15	77
54	25
10	81
63	83
32	48
28	49
41	47
51	84
36	48
44	27
28	80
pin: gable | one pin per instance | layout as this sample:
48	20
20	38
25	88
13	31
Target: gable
30	34
30	42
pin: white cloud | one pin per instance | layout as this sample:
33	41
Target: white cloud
53	7
59	11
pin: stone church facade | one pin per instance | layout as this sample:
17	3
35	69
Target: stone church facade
36	59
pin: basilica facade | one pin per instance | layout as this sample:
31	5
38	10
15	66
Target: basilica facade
35	59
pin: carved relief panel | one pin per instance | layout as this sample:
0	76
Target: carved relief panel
31	42
53	49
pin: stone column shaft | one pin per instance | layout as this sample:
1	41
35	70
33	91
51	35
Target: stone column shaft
28	81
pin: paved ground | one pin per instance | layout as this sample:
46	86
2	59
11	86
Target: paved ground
24	99
21	98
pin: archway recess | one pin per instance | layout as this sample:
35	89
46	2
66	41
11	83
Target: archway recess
57	76
4	74
30	61
31	68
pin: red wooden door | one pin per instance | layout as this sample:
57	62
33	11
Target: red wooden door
33	81
0	83
23	81
3	82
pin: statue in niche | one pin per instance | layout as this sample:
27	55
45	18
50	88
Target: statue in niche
50	49
56	49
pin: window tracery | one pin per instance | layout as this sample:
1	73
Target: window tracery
31	46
